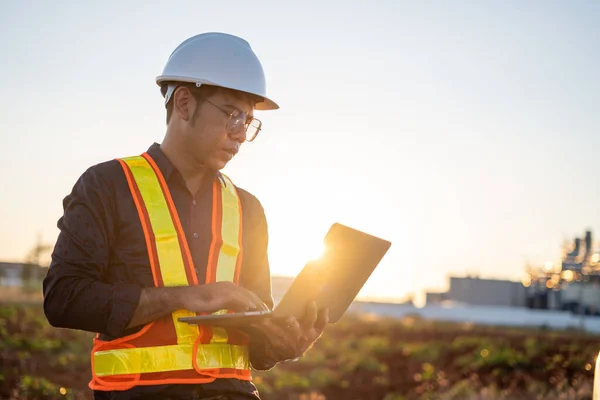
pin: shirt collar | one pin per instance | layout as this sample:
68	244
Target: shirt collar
168	169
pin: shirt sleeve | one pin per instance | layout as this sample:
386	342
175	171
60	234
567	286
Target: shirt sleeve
75	293
256	277
256	273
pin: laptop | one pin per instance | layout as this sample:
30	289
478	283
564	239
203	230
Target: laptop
332	281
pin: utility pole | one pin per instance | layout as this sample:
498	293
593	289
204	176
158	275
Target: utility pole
581	314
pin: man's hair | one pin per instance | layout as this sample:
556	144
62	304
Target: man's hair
198	93
206	91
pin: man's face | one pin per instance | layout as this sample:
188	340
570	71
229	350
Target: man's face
208	139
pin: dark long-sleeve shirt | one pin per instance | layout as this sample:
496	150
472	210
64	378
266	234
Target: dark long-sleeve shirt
100	263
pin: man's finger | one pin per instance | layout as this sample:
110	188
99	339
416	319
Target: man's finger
244	302
255	299
273	330
322	320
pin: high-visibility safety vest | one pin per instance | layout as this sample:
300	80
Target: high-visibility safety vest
167	351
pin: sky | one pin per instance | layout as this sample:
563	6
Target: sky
464	132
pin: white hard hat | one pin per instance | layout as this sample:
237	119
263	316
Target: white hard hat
216	59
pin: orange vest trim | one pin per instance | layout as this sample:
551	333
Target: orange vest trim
167	351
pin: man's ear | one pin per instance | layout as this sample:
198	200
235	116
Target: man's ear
183	103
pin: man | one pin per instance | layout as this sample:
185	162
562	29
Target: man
148	239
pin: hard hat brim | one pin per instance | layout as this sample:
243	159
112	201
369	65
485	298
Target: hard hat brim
266	104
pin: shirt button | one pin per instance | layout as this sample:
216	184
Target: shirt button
194	202
195	235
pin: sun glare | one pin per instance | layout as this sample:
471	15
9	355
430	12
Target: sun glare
289	257
316	251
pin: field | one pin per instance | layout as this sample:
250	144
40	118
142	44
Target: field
358	358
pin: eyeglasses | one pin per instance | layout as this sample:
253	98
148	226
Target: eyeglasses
239	122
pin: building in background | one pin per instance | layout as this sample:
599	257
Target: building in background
481	292
435	297
486	292
18	274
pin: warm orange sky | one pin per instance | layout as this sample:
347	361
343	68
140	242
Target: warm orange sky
466	135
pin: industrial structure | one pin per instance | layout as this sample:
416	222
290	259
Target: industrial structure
573	285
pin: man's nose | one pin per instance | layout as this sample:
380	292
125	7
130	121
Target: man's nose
239	135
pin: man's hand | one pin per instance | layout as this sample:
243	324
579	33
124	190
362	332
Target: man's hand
290	338
218	296
158	302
